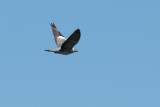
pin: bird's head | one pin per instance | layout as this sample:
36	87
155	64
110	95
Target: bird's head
75	50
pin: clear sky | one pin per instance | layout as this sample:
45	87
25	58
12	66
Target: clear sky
118	64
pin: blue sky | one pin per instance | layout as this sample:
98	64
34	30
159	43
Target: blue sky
118	64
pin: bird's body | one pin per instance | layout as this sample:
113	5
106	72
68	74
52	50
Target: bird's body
64	47
63	52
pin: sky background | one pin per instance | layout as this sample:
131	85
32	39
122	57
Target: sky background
118	64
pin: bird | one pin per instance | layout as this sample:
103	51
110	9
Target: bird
65	47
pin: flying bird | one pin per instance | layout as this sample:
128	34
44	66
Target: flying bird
64	47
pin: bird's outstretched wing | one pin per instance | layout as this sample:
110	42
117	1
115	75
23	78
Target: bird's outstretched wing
72	40
59	38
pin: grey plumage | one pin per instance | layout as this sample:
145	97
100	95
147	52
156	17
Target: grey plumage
65	47
57	35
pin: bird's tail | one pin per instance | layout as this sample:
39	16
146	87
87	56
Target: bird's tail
48	50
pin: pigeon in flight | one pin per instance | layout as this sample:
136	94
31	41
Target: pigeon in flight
64	47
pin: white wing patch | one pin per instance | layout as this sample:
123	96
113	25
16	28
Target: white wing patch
60	41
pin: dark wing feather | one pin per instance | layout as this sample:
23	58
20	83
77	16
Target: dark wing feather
72	40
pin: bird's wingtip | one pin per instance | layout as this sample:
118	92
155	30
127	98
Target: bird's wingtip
53	25
78	31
